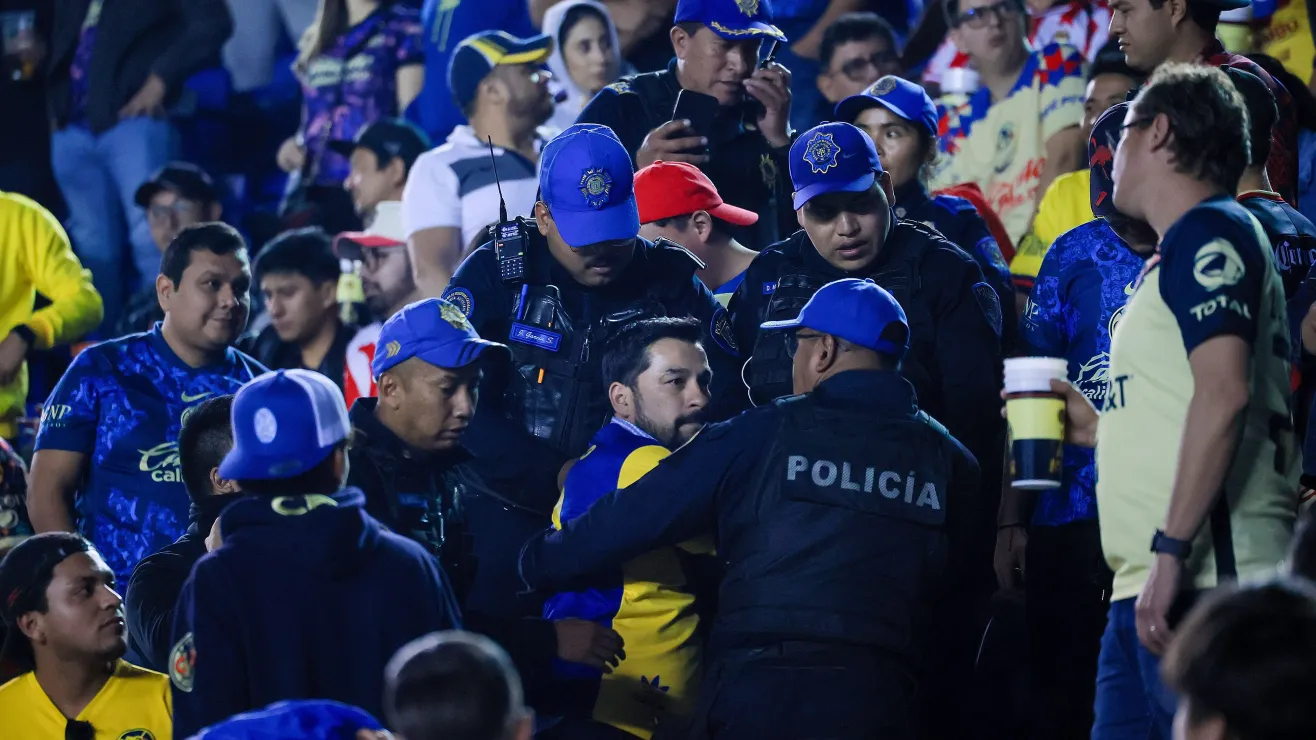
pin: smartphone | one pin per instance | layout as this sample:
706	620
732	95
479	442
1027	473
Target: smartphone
700	110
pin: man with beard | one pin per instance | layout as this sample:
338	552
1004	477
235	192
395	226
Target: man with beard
109	432
498	82
65	631
389	284
658	379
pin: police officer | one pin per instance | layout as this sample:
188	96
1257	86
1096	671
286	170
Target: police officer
833	510
901	119
740	135
843	200
555	289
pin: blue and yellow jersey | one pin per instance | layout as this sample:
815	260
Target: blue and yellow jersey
121	403
134	704
724	291
647	601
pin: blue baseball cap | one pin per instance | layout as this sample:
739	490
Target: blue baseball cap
588	184
858	311
902	97
479	53
731	19
434	330
285	422
832	158
312	719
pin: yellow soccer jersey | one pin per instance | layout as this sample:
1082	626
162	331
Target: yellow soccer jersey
1001	146
133	705
1213	277
1066	204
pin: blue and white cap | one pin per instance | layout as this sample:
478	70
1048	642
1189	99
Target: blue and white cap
284	423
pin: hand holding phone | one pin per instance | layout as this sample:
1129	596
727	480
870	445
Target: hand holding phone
685	137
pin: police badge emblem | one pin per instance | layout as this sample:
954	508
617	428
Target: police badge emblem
461	298
821	153
454	316
182	664
596	185
883	86
748	7
768	170
990	304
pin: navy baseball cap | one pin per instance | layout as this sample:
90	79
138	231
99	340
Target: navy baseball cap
902	97
1102	143
586	180
832	158
434	330
387	138
479	53
858	311
184	178
731	19
285	422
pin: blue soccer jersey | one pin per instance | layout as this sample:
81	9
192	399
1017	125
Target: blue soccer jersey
122	403
1077	300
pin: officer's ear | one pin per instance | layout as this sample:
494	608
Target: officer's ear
884	181
680	41
543	218
828	350
623	400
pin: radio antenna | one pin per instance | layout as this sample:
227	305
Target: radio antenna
502	204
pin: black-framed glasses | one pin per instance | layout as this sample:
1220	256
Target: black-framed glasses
793	340
1135	123
858	69
981	17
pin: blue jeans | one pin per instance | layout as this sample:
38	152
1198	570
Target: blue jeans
99	176
1132	703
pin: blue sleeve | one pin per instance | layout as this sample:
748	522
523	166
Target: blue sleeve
207	667
677	500
72	413
1042	330
1212	277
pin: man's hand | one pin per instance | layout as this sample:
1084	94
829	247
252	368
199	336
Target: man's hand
660	144
771	86
1080	415
1154	603
581	641
1008	560
149	101
1309	330
291	156
13	350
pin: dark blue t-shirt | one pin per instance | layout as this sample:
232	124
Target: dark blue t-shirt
122	403
1077	301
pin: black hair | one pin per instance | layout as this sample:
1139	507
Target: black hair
673	222
308	252
205	438
627	355
1304	103
1110	61
452	686
1247	655
1262	112
1204	15
858	26
690	27
574	15
1208	121
320	479
25	575
214	236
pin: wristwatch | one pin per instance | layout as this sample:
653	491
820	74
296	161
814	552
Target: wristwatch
1164	543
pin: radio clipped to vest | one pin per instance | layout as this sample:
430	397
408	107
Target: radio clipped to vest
511	237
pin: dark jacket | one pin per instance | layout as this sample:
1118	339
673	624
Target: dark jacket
135	38
543	408
142	313
277	354
747	170
806	559
307	597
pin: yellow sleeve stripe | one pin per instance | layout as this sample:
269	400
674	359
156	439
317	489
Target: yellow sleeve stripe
639	463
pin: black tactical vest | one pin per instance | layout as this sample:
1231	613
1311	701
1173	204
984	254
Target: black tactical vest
557	389
896	270
843	537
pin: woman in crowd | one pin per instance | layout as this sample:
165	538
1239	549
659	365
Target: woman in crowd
586	55
361	60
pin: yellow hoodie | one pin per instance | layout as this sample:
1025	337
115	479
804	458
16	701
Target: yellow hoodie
36	257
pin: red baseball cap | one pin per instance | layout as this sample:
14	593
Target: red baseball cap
667	189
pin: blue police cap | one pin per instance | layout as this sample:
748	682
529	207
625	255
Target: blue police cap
433	330
731	19
832	158
587	181
902	97
858	311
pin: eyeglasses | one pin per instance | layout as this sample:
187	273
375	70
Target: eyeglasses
793	340
1136	123
858	70
179	208
980	17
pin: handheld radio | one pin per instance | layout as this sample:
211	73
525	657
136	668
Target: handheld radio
753	108
511	237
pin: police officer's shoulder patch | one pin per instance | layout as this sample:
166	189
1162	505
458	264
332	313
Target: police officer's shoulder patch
721	331
620	87
462	299
990	305
182	664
